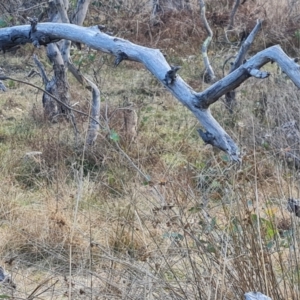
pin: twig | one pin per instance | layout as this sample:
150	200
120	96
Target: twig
4	77
42	70
32	295
225	62
230	100
232	14
209	72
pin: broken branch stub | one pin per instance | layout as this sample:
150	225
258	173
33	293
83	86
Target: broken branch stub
171	75
154	61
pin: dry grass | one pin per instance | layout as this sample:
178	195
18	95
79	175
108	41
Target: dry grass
156	216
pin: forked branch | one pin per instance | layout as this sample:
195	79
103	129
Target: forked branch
4	77
155	62
230	99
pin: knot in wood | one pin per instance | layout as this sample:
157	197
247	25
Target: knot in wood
171	75
207	137
120	57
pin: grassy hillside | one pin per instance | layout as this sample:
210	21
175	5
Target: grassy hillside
153	214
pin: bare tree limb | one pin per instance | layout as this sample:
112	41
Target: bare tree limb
62	7
230	100
232	14
95	114
209	75
81	10
256	296
59	55
234	79
155	62
2	87
58	85
41	68
246	46
4	77
49	103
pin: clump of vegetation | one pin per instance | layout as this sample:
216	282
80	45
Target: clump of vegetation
153	213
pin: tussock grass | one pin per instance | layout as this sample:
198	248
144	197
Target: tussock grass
194	227
158	215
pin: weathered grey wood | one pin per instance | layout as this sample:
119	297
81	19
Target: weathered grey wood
62	7
58	85
230	99
95	114
246	46
57	12
232	14
258	73
234	79
78	18
41	68
2	274
80	12
2	86
293	206
256	296
209	75
49	104
59	55
155	62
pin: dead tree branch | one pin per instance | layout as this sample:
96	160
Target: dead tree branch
59	54
41	68
95	114
209	75
78	18
232	14
80	12
2	87
155	62
4	77
230	99
256	296
58	85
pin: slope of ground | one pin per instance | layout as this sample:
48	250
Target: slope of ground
150	216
